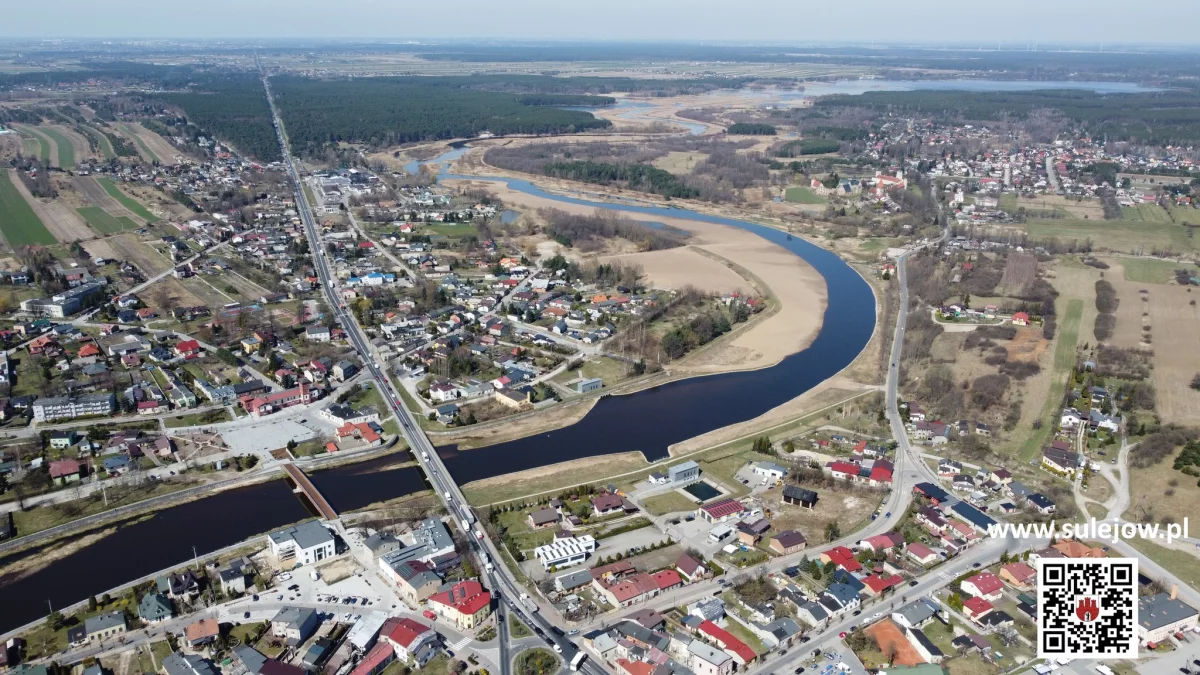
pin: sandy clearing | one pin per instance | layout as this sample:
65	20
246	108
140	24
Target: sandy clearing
64	223
130	249
100	248
798	288
678	267
10	145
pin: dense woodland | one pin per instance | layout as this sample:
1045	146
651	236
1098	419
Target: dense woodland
641	177
235	110
382	112
751	129
1161	118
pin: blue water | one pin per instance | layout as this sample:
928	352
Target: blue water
508	216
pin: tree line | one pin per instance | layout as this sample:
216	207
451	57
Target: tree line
751	129
642	177
586	231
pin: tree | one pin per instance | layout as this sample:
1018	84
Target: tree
955	602
56	620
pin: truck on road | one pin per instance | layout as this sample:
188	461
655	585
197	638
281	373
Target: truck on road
577	660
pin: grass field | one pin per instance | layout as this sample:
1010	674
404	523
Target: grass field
1180	563
18	222
1151	271
1117	235
106	148
102	220
128	202
43	151
671	502
453	230
803	195
1145	213
66	152
140	143
1064	363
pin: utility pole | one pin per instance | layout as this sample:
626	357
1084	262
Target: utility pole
195	558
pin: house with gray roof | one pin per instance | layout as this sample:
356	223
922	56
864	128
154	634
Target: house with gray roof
155	608
190	664
295	624
844	598
770	470
104	626
812	613
572	580
684	472
913	615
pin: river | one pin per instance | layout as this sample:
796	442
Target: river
649	421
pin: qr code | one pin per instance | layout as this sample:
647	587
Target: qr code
1087	609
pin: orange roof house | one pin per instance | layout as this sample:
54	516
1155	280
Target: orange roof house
1075	549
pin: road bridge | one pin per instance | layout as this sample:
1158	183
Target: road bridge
305	487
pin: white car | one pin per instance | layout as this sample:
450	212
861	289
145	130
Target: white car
876	616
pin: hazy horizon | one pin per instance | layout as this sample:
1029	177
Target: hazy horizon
1019	23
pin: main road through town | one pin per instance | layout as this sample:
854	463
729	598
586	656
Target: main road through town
500	579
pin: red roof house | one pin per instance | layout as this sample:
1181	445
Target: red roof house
976	607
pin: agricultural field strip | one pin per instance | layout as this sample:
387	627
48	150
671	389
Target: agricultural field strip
18	222
140	143
128	202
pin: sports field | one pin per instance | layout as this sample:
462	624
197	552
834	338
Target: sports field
104	222
128	202
803	195
18	222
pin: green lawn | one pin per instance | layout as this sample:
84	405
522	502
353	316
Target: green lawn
670	502
106	148
1064	363
101	220
66	152
1118	235
452	230
803	195
1151	271
140	143
1147	213
517	628
126	201
608	369
43	144
18	222
199	419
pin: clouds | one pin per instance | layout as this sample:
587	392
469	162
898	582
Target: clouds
791	21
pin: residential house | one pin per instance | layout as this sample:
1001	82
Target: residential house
975	607
295	624
543	518
915	614
155	608
413	642
788	542
985	585
924	646
306	543
922	554
721	510
104	626
202	632
1062	461
1018	574
1077	549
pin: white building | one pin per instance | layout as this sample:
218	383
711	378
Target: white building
305	543
66	408
565	552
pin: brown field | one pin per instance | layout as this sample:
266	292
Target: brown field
1090	209
680	163
678	267
1027	345
94	194
10	146
129	248
63	222
210	290
1161	491
180	295
157	144
1174	324
101	248
1019	272
846	507
888	636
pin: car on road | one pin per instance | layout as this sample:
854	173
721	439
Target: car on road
974	564
914	582
557	648
573	631
804	638
799	670
254	598
842	634
852	627
888	514
876	616
718	592
246	615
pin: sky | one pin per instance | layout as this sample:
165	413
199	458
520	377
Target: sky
791	21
